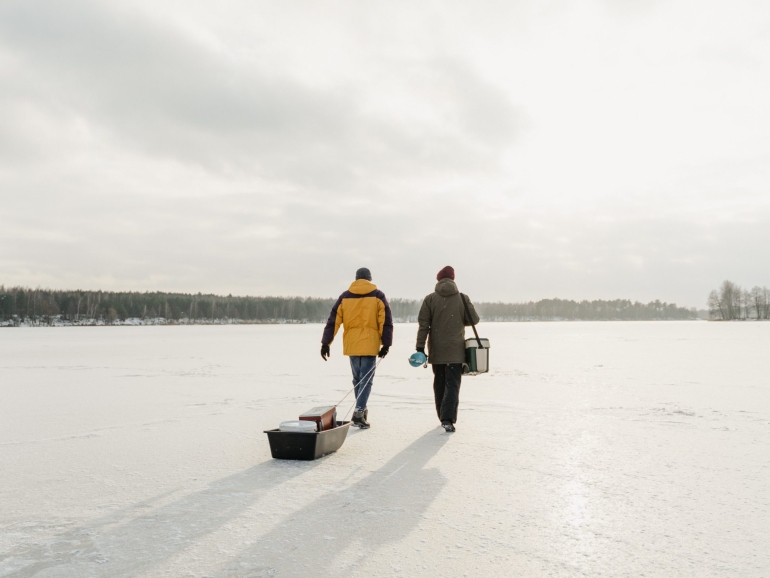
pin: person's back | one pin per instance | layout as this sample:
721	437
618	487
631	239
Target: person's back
445	319
361	310
365	314
442	321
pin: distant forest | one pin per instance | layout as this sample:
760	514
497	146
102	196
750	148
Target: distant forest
25	306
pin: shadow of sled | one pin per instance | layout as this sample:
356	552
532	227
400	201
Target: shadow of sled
143	535
382	507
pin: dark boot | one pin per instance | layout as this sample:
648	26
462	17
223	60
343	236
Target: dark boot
359	418
448	426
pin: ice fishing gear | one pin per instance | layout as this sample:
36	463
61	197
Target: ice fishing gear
476	349
417	359
325	417
317	432
298	426
289	445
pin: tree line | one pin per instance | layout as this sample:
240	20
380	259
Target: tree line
597	310
23	305
731	301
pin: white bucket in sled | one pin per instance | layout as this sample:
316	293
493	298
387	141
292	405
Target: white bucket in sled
298	426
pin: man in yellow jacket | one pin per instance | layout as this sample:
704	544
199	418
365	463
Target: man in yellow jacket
365	313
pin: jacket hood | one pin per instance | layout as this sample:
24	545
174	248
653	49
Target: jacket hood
446	288
362	287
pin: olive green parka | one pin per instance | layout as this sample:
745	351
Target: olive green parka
442	321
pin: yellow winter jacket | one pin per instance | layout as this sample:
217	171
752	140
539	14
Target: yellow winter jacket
365	314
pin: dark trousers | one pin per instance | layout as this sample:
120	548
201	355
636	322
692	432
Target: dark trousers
446	389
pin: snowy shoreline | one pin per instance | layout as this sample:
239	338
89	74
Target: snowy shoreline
136	322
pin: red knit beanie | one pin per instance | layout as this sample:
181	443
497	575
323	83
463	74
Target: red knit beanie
446	273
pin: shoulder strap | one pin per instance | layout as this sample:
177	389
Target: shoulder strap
468	313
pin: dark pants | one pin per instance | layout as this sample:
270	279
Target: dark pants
446	389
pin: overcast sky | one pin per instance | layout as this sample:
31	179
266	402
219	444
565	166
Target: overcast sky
608	149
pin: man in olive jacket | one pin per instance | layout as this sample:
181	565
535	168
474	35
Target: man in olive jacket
442	321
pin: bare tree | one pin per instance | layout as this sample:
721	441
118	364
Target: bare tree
756	302
747	304
730	299
716	311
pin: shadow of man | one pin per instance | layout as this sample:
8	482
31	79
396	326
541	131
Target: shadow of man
140	537
381	508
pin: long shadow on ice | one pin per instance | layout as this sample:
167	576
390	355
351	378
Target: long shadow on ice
381	508
134	539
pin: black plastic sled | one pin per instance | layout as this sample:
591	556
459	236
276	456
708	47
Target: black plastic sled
286	445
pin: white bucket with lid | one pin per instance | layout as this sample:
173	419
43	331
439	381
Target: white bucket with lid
298	426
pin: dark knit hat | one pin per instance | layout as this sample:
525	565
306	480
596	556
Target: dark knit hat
446	273
363	273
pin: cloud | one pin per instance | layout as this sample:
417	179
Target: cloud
153	88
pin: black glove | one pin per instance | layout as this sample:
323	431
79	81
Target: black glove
384	351
421	350
325	351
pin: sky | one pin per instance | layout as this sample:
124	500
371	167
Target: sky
582	150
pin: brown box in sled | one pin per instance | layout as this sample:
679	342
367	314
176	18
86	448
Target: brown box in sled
325	416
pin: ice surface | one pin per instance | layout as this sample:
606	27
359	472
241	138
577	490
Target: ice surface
596	449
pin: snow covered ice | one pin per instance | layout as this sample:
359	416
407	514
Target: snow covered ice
596	449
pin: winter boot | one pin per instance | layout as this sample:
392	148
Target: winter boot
359	418
448	426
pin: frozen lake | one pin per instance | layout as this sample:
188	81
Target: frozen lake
596	449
